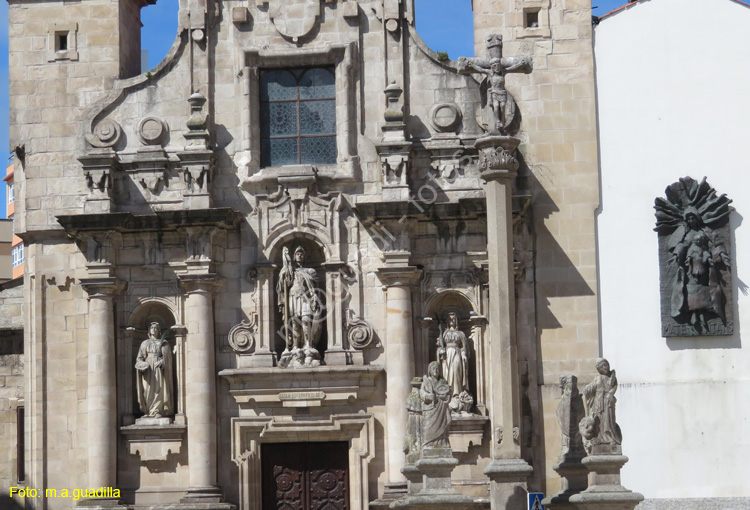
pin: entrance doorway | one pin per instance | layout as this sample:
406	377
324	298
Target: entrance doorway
305	476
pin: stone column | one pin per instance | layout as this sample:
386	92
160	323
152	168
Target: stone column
398	276
102	382
200	387
507	470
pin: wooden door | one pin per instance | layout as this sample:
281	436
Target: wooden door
305	476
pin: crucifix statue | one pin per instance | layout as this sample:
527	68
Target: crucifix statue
495	67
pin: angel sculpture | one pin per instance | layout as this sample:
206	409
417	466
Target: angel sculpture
301	309
692	220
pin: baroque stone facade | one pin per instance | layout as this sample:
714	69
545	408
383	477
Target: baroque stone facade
307	169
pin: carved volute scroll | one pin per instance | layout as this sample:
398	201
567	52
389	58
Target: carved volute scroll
694	263
359	332
242	336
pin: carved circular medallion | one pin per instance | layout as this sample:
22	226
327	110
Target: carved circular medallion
445	117
242	338
284	482
327	481
151	131
107	133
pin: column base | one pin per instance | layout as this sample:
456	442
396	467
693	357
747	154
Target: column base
101	503
203	495
508	488
392	492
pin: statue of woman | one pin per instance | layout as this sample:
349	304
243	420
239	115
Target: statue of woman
154	374
436	417
600	405
454	358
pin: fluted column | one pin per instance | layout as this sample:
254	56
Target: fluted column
507	470
102	382
398	277
200	408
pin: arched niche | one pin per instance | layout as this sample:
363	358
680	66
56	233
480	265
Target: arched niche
315	257
135	331
437	309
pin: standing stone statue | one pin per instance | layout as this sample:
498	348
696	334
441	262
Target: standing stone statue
692	223
570	411
154	373
599	428
454	359
302	312
495	67
413	439
436	417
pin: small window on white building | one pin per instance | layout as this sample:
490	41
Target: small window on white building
11	193
17	254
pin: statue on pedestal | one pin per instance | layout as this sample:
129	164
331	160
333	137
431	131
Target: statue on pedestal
599	428
301	309
453	356
436	417
495	67
154	374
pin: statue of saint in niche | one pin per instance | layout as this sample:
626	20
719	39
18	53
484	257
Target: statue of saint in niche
301	310
495	67
436	417
453	356
692	223
599	428
154	373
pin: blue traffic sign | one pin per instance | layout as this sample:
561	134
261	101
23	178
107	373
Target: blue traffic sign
535	501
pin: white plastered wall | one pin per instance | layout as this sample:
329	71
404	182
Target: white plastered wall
673	79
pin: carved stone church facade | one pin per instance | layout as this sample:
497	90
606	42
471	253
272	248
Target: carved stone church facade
238	262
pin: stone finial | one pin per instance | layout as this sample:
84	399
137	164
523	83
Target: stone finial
394	112
197	136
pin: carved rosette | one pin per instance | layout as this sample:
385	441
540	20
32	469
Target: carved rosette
242	336
359	332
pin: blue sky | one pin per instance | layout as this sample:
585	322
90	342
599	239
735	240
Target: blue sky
445	25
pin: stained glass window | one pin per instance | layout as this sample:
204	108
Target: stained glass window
298	116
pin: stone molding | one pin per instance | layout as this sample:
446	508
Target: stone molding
154	443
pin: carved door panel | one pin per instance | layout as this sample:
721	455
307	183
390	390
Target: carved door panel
305	476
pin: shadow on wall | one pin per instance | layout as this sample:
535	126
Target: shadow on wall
6	503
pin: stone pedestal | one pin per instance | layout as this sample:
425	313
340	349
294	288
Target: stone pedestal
605	491
507	470
573	481
435	492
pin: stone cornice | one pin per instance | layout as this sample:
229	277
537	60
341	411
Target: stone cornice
399	276
199	283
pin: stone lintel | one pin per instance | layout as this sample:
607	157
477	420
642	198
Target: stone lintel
301	387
